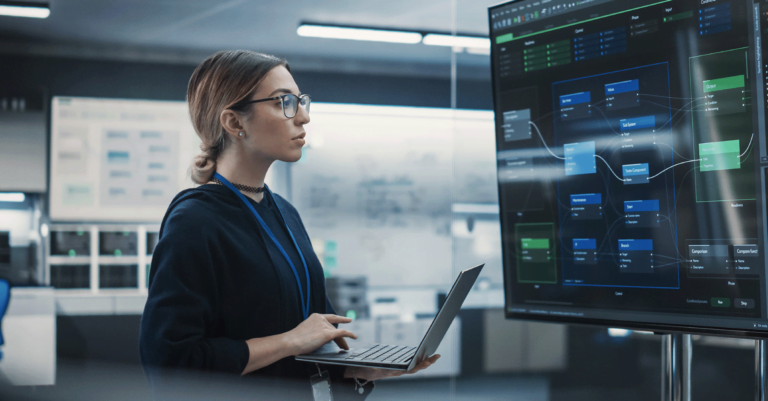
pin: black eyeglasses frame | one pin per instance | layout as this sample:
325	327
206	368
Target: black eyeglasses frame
300	98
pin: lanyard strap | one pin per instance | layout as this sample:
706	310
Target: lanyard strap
304	304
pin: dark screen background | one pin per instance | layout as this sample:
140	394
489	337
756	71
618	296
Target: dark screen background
668	49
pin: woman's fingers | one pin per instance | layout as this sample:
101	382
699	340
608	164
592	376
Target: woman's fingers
338	333
384	373
376	374
371	373
334	319
419	368
341	342
425	363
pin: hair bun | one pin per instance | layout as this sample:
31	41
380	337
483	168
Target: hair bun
202	168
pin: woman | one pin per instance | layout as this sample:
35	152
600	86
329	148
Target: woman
235	285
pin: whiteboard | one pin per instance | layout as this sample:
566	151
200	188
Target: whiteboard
376	185
118	160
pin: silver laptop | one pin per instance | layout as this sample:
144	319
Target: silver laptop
401	357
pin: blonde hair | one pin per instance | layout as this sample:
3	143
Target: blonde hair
221	82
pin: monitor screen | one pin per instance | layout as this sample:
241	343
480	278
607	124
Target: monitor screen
123	243
70	243
631	158
5	248
152	239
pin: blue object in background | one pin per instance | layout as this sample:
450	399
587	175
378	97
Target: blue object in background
580	158
575	98
637	123
5	297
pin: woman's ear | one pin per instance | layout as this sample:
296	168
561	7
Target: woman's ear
232	122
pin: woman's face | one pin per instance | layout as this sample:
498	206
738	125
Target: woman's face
268	133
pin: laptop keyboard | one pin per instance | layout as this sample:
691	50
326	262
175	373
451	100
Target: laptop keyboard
384	354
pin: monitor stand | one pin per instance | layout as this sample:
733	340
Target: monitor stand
760	360
676	367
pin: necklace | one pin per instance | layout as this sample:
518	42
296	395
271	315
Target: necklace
241	187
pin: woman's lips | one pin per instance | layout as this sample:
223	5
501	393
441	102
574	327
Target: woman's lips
300	138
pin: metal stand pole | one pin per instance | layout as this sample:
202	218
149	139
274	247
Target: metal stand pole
670	376
687	355
676	352
760	355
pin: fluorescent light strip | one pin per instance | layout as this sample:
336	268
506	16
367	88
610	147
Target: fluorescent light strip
33	10
475	50
619	332
436	39
374	35
12	197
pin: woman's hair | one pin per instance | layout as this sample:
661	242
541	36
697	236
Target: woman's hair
221	81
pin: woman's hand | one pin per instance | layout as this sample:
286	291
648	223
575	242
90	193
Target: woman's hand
371	374
317	330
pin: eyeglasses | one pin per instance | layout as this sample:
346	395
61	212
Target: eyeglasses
289	102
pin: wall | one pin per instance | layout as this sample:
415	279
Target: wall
134	80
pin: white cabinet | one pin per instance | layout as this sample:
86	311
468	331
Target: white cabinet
29	329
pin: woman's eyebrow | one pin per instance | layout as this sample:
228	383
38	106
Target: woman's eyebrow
281	90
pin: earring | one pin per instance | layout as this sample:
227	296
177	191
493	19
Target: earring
241	134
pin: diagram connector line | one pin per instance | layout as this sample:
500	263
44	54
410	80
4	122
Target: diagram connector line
671	97
677	112
653	176
662	143
609	168
748	145
543	142
674	165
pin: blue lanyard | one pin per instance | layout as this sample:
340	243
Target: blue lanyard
304	305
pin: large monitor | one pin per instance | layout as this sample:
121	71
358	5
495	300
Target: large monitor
631	159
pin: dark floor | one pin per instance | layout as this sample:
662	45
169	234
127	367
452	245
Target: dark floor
77	380
476	388
99	361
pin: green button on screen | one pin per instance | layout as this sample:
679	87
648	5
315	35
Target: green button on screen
721	302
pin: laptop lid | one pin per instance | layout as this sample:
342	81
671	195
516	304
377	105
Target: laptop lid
446	314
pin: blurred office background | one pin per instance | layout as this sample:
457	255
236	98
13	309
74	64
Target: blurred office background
397	188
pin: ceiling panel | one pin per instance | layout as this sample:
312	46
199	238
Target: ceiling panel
268	26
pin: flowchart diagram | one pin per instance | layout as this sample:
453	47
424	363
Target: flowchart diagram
615	143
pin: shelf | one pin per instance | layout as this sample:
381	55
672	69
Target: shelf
118	260
104	302
69	260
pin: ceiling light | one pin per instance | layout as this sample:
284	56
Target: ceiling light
24	9
436	39
476	50
375	35
619	332
12	197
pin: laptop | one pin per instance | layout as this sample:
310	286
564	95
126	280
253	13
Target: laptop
401	357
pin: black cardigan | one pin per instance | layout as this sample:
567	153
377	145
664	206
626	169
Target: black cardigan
217	280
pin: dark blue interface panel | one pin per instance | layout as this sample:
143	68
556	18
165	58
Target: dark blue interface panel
631	152
611	155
